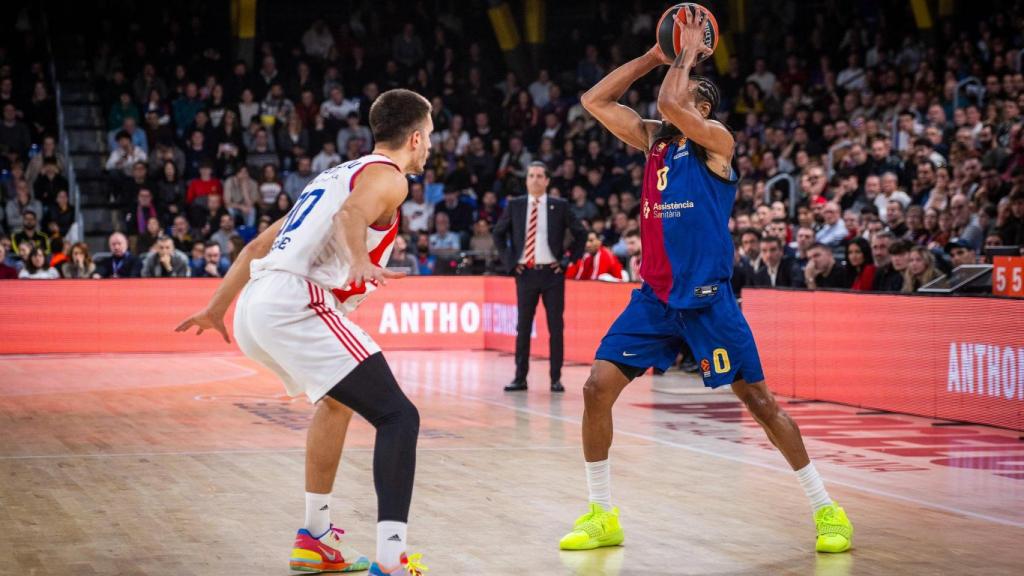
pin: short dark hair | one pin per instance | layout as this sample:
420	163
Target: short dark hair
395	114
771	240
123	134
900	246
539	164
634	233
746	231
820	245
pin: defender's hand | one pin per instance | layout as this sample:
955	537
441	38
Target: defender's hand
361	273
205	319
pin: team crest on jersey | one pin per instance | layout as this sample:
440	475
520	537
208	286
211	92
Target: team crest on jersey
705	367
647	209
661	146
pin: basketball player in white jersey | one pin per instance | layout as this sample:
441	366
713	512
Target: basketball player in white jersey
300	277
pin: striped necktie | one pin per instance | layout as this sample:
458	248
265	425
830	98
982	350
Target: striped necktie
529	252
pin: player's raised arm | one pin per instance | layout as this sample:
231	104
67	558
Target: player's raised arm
677	102
212	317
379	191
602	101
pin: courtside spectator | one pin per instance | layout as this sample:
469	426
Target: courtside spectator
213	264
240	193
7	272
401	260
61	212
18	205
203	186
416	211
30	233
296	182
920	269
15	137
144	242
37	267
80	265
125	155
459	212
597	263
750	244
165	262
269	187
121	263
224	234
860	264
833	232
443	242
960	253
776	269
327	157
823	271
48	151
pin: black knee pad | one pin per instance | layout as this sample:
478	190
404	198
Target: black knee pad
372	391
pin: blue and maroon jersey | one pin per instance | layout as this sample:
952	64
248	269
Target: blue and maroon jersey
684	226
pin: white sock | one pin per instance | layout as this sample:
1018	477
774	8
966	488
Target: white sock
813	486
390	543
318	513
599	482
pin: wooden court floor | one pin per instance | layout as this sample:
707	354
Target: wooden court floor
192	464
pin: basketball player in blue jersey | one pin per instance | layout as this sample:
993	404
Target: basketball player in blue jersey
688	193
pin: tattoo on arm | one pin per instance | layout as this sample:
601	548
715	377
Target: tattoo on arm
680	58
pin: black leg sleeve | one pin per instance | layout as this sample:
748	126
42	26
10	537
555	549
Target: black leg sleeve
372	392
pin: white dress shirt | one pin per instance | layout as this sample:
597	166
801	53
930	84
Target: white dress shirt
542	252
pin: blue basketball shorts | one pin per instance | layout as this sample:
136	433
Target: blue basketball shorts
650	333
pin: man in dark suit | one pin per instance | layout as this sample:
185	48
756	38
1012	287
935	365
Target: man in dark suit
776	269
121	263
536	224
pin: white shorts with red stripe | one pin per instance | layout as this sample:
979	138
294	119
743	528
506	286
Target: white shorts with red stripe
295	328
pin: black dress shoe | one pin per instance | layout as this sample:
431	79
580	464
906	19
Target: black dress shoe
516	386
556	386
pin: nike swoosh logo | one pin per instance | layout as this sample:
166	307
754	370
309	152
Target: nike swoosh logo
628	355
330	555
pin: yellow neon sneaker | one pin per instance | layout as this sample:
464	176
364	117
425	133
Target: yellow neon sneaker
408	566
594	529
835	531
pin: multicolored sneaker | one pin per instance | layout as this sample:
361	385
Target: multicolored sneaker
595	529
409	566
325	554
835	531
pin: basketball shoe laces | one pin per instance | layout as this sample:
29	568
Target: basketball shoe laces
413	565
591	525
828	524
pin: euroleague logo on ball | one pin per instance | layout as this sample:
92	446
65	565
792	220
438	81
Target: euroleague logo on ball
668	31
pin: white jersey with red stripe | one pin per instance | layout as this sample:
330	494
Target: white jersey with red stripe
306	244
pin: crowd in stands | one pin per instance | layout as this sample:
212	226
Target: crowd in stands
899	174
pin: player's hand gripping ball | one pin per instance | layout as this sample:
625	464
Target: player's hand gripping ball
670	32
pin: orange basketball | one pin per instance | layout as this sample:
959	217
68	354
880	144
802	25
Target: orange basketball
668	31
